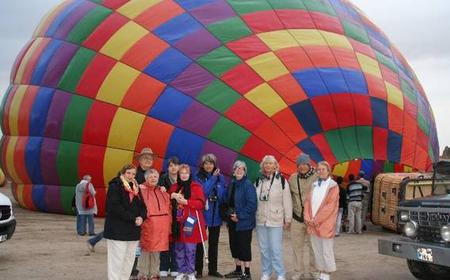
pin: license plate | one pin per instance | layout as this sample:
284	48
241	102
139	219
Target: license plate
3	237
425	254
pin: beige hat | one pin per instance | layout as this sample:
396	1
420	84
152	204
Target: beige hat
144	152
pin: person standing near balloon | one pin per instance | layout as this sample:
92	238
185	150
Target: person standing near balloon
188	222
167	258
241	204
213	185
321	209
125	213
156	228
85	214
145	162
300	184
273	214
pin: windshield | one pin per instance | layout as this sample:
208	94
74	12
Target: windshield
441	187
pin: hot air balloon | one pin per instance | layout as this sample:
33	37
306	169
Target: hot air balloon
101	79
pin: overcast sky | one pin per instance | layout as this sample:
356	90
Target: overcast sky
419	28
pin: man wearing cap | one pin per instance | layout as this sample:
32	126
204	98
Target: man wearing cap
145	160
300	184
366	197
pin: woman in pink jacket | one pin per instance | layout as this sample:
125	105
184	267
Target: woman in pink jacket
156	228
321	208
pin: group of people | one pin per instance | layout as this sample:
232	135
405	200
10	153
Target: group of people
158	224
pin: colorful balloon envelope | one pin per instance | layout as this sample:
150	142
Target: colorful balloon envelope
102	79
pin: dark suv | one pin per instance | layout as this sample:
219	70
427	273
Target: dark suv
425	226
7	219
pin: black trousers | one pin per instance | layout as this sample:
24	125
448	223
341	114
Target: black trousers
213	250
240	243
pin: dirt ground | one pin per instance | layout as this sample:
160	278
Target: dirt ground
46	246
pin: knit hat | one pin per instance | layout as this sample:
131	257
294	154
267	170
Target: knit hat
303	159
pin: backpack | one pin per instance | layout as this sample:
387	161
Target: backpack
88	200
277	175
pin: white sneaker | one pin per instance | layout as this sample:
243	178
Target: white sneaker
163	273
324	276
265	277
192	276
281	278
180	276
174	273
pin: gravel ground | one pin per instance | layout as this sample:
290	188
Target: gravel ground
45	246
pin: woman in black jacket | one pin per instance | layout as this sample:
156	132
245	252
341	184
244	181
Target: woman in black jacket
125	212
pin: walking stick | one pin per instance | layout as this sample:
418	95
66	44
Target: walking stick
205	253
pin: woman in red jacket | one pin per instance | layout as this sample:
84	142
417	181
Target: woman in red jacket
156	228
188	205
321	208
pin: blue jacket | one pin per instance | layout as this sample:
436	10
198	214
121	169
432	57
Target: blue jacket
245	203
212	185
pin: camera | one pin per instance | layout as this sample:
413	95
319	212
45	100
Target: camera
231	211
264	196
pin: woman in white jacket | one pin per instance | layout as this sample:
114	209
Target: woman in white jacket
274	213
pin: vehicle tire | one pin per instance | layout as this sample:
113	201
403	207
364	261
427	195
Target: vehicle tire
427	271
418	269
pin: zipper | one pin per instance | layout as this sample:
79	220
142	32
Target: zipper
157	199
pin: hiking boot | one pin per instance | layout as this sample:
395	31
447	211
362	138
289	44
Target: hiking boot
215	274
245	277
234	274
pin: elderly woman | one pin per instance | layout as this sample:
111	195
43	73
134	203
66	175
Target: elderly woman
274	212
125	213
321	208
242	202
213	185
189	224
156	228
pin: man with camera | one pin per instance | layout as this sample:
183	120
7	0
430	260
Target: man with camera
300	183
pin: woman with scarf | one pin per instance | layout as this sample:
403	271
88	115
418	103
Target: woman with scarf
156	228
188	222
213	185
321	208
241	201
274	214
125	213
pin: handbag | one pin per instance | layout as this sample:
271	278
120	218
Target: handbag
295	216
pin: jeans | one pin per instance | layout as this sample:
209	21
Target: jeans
81	223
270	240
94	240
354	214
168	259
